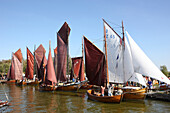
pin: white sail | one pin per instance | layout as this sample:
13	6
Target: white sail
128	64
138	78
129	73
115	55
143	65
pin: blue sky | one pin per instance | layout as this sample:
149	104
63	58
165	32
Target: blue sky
25	23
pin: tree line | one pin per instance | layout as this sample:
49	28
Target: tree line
5	65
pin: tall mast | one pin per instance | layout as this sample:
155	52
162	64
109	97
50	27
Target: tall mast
123	31
67	52
82	50
107	74
35	69
123	46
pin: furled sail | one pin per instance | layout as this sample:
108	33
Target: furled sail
143	65
30	65
114	55
50	75
94	64
62	50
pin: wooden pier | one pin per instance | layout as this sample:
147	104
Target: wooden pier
159	95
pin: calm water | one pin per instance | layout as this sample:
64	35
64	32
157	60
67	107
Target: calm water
30	99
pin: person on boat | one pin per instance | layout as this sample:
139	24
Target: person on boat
150	84
110	90
102	90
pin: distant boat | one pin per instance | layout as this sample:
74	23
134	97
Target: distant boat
16	69
40	60
49	84
62	60
96	73
29	74
77	72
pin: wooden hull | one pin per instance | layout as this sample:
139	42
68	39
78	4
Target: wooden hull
3	103
47	88
33	83
11	82
134	94
22	83
163	88
86	86
71	87
107	99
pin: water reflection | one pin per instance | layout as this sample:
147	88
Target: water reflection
30	99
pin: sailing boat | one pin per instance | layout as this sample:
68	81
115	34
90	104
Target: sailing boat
120	64
77	72
15	71
41	61
62	60
143	66
29	74
49	82
129	63
96	72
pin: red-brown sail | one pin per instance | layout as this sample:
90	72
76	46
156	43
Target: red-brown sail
55	60
18	54
64	32
81	74
11	71
40	60
61	59
62	49
77	68
94	63
18	68
76	62
50	75
30	65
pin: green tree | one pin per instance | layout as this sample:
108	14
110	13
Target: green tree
70	65
1	68
24	65
164	70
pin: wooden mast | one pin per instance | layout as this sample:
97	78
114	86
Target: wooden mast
67	73
107	74
123	32
123	45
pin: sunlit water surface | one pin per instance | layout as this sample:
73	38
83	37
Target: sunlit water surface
30	99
